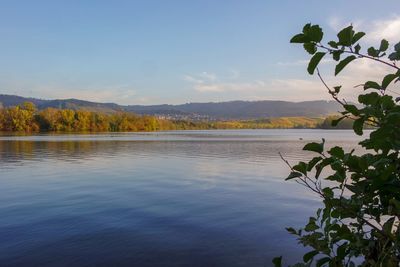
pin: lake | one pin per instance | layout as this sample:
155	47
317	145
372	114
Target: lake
189	198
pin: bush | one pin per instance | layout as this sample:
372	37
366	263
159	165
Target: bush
359	222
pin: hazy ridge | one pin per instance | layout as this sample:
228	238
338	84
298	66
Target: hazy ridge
214	110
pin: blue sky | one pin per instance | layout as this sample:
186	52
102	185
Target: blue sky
151	52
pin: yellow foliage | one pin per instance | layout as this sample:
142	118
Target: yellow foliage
27	119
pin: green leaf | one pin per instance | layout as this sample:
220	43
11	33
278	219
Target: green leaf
277	261
397	47
372	84
328	192
341	251
369	99
291	230
384	45
313	162
311	226
388	226
395	204
394	56
358	126
387	102
314	33
388	79
310	255
337	89
322	261
314	61
335	213
311	33
357	37
299	39
352	109
373	52
301	167
293	175
333	44
345	36
306	27
357	49
315	147
343	63
336	122
337	152
336	54
389	171
310	48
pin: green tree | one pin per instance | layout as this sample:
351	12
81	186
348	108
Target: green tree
359	221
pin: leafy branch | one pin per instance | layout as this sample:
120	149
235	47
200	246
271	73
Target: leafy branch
359	223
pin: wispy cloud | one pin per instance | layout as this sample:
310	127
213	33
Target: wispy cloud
387	28
309	88
355	74
201	78
234	74
303	62
208	76
337	23
230	87
289	89
275	89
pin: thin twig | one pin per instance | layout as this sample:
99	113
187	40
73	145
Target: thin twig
359	55
331	92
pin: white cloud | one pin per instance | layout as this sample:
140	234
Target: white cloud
192	79
357	72
201	78
229	87
208	76
336	23
275	89
288	89
304	62
234	74
300	62
385	29
309	88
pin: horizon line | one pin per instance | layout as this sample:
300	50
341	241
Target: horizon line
114	103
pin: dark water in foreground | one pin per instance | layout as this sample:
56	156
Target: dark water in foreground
199	198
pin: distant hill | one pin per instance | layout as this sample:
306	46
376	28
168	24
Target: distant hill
248	109
221	110
75	104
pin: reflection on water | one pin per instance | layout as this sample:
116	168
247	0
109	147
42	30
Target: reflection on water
200	198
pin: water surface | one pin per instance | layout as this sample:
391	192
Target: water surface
193	198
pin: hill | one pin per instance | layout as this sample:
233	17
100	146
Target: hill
232	110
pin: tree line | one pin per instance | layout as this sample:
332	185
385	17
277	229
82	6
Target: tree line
27	118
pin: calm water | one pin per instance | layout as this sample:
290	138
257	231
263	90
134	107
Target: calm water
197	198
